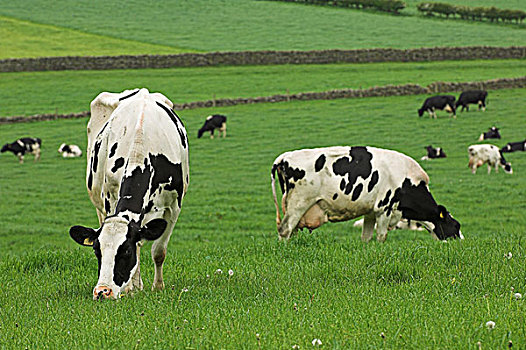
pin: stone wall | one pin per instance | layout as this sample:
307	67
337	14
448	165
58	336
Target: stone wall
260	58
377	91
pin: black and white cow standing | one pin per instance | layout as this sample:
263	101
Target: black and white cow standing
342	183
472	97
213	122
69	151
440	102
433	153
137	176
487	154
22	146
492	133
514	147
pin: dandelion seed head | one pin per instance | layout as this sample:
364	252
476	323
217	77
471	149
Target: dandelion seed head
490	325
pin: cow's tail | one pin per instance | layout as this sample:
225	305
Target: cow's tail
273	184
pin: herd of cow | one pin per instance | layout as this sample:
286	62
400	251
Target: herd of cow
138	174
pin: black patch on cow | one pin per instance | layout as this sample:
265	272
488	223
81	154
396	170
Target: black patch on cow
357	191
176	120
149	206
117	165
392	202
107	206
385	201
130	95
113	149
416	202
290	173
168	173
335	196
95	161
320	162
90	180
133	189
373	181
358	166
126	257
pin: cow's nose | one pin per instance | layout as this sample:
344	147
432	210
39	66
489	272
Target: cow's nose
102	292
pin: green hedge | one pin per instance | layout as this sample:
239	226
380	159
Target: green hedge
492	14
393	6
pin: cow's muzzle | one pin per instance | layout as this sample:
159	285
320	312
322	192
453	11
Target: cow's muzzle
102	292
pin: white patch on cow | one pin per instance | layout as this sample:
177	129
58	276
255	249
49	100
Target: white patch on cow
209	117
448	109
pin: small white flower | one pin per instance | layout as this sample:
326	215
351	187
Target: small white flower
316	341
207	276
184	290
295	346
219	271
230	272
490	325
509	255
517	296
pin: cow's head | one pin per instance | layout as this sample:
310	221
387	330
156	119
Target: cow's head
445	226
115	246
5	148
200	132
420	112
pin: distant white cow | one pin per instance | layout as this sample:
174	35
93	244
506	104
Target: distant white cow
69	151
490	154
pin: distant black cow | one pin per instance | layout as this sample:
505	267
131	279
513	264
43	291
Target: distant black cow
23	146
472	96
215	121
441	102
514	146
433	153
492	133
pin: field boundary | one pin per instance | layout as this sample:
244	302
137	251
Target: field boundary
377	91
260	58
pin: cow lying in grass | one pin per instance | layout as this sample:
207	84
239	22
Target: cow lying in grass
69	151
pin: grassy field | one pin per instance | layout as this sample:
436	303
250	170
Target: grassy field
327	284
233	25
71	91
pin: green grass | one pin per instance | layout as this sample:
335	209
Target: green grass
235	25
71	91
420	293
27	39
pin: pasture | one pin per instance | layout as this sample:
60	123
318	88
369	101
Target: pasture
71	91
326	284
234	25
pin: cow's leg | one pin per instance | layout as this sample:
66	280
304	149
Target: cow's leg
489	169
382	226
158	256
223	130
295	211
37	155
20	158
212	133
368	227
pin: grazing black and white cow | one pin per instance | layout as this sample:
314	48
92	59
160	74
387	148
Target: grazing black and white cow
514	147
490	154
441	102
433	153
492	133
69	151
137	176
22	146
212	122
342	183
472	97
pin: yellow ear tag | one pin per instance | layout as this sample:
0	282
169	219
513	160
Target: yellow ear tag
441	215
88	242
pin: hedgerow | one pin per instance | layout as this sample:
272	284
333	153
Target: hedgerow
491	14
393	6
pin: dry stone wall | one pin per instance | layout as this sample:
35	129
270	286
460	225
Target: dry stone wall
260	58
377	91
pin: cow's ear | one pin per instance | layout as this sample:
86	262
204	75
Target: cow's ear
153	230
83	235
442	212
